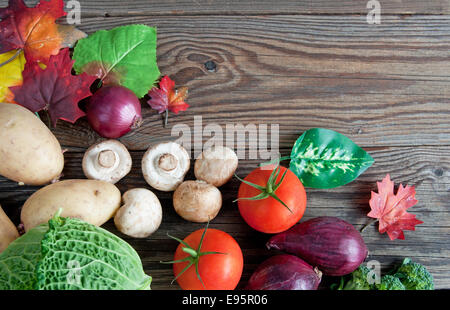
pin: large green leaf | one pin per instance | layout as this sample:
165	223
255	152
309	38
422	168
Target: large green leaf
78	255
124	56
18	261
323	158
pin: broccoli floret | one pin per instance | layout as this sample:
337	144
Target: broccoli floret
390	283
414	276
358	280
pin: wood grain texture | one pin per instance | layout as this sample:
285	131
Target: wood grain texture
386	85
427	168
248	7
299	64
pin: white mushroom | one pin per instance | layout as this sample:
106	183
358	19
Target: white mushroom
165	165
141	213
197	201
216	165
107	161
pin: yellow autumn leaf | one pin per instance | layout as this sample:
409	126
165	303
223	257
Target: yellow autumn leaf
10	74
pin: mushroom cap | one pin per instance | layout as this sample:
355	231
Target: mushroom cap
197	201
165	165
140	215
107	161
216	165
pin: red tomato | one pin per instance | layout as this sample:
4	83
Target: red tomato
269	215
217	271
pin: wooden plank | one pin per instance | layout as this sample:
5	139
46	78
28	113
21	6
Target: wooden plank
260	7
428	168
386	87
380	86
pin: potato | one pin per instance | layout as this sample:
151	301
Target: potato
29	152
8	232
92	201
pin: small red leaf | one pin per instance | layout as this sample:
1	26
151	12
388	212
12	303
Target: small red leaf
159	100
54	89
390	209
166	97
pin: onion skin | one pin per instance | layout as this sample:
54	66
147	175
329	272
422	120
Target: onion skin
113	111
328	243
284	272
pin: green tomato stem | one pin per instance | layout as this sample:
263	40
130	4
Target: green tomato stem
194	256
270	188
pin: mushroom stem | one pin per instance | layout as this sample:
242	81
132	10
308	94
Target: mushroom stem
167	162
107	158
107	161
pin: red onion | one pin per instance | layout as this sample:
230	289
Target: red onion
328	243
113	111
284	272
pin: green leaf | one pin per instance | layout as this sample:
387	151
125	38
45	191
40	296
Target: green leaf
123	56
18	261
78	255
323	158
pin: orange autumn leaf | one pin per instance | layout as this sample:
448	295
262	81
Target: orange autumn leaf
390	209
34	30
166	98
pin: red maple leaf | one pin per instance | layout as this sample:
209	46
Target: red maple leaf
167	98
54	89
34	30
390	209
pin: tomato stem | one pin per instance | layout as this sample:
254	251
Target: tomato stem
270	188
194	256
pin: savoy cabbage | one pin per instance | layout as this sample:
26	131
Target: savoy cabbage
71	254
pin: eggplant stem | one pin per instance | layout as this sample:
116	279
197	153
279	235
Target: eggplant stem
368	224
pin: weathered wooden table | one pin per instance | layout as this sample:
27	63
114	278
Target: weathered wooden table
299	64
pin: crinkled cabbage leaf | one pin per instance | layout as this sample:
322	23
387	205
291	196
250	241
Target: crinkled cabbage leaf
18	262
71	254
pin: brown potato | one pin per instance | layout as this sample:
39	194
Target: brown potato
92	201
8	232
29	152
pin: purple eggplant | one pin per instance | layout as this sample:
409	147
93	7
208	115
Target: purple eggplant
328	243
284	272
